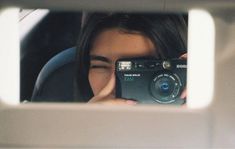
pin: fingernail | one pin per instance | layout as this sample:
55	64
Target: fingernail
131	102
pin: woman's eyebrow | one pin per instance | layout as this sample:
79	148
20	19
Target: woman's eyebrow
100	58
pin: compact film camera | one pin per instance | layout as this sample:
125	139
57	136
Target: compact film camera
150	80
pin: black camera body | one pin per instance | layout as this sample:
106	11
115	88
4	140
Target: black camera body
151	80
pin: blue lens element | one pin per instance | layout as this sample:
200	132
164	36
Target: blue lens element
164	86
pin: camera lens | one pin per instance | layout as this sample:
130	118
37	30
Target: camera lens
165	88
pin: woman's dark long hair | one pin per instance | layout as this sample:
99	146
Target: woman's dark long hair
168	32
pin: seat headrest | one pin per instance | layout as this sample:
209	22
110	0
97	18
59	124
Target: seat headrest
55	80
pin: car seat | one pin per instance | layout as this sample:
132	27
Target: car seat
55	80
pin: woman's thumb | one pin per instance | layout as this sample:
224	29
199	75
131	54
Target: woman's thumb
110	86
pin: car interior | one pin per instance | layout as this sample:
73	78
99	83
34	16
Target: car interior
55	81
56	32
37	60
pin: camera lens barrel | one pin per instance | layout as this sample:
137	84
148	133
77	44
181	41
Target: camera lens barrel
165	87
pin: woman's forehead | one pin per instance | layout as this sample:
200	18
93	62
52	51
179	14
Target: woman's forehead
114	43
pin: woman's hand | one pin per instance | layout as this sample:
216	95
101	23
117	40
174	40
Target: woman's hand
106	95
184	93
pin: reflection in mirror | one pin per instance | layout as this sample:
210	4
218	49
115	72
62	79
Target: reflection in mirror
107	58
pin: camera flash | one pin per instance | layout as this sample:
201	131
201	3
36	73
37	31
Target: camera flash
124	65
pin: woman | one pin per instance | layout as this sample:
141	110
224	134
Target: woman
108	37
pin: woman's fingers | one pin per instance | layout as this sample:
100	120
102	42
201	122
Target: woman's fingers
184	56
106	91
110	86
184	94
118	102
105	96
